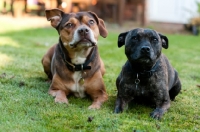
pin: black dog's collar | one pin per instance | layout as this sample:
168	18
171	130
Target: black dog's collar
74	67
145	74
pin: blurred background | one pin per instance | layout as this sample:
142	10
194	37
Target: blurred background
172	16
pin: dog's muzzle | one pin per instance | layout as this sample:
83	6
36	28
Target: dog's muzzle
83	32
145	49
145	52
83	36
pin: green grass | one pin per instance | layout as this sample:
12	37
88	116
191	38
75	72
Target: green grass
26	106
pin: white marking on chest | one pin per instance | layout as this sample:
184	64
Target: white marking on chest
77	89
79	58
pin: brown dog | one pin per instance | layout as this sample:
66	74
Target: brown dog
74	64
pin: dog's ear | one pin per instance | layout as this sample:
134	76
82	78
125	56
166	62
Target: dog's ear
102	28
164	40
121	39
55	16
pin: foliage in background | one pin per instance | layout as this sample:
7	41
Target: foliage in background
198	5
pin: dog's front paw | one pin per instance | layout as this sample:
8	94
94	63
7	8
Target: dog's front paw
95	105
61	100
118	110
60	96
157	113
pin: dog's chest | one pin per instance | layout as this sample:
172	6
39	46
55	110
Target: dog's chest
78	88
133	89
79	57
137	88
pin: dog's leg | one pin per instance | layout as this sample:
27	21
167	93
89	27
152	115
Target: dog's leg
57	89
96	90
103	70
120	105
162	105
98	97
174	91
121	102
61	97
46	62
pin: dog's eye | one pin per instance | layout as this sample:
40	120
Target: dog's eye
135	38
69	25
91	22
154	39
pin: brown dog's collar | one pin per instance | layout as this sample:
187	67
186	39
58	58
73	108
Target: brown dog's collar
81	67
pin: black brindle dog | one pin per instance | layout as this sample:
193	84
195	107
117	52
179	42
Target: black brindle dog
147	75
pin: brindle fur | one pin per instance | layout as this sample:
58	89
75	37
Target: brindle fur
158	89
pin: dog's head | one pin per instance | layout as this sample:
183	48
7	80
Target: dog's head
143	45
77	29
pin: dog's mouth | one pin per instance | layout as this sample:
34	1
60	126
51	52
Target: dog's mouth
142	59
83	42
86	41
145	59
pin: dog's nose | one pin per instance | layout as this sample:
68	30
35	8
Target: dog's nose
83	31
145	49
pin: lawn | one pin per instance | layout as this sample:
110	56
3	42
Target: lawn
26	106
